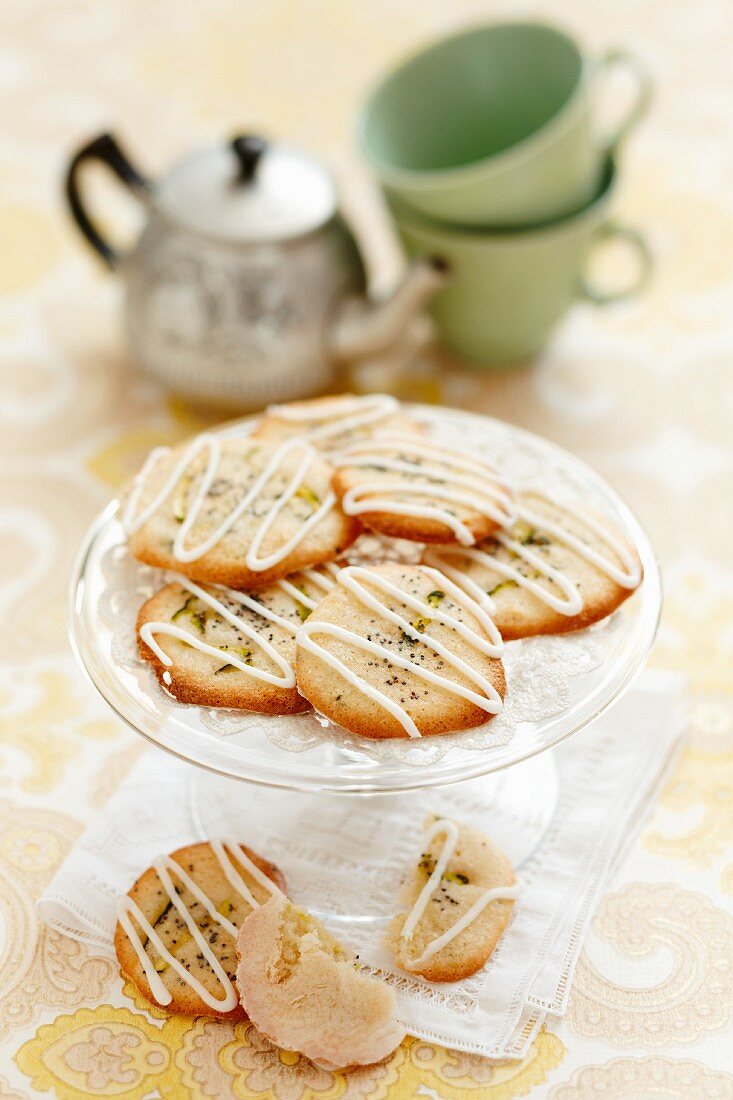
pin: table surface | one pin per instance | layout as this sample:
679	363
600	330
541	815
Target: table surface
643	391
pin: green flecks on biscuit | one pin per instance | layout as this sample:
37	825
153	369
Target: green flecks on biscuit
181	497
245	654
303	611
529	536
198	618
419	625
308	496
501	585
182	610
522	531
434	598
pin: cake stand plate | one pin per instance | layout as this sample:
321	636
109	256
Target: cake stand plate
556	685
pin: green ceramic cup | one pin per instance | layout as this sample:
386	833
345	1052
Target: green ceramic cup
508	289
494	126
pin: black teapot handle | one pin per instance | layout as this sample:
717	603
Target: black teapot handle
105	149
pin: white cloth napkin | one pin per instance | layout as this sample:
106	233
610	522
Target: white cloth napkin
345	856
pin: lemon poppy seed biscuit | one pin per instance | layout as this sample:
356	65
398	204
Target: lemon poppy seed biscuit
222	648
408	487
177	927
236	511
333	422
400	651
301	989
554	570
460	899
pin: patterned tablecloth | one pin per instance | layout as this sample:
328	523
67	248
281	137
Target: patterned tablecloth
642	391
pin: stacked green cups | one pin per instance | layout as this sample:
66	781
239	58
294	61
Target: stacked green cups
485	147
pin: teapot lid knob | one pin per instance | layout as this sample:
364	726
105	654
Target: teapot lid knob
248	150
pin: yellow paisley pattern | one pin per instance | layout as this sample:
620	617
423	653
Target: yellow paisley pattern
641	391
115	1052
703	781
236	1061
53	705
104	1051
695	635
457	1075
40	968
632	1078
686	944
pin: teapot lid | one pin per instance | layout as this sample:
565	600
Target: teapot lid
249	191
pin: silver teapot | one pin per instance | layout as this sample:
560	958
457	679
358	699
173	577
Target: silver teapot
245	285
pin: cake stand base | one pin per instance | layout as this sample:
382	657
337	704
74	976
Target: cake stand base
513	807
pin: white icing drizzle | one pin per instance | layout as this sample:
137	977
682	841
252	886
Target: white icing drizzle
499	893
219	848
570	602
441	557
165	868
317	577
286	677
352	578
446	478
351	414
133	519
297	594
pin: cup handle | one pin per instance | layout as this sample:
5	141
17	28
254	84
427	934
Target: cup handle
106	150
614	231
618	58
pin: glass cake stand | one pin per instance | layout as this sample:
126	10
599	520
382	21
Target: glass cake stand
300	753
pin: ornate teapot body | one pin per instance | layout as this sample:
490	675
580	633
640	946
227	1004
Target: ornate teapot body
245	285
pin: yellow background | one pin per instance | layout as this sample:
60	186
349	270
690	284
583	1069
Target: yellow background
643	391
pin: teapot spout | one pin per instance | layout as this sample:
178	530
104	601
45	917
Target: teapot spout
363	327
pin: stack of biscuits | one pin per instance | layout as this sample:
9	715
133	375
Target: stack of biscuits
263	611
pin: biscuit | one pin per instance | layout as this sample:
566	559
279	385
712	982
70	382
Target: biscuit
409	488
236	511
301	989
221	648
193	902
333	422
554	570
400	651
461	877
